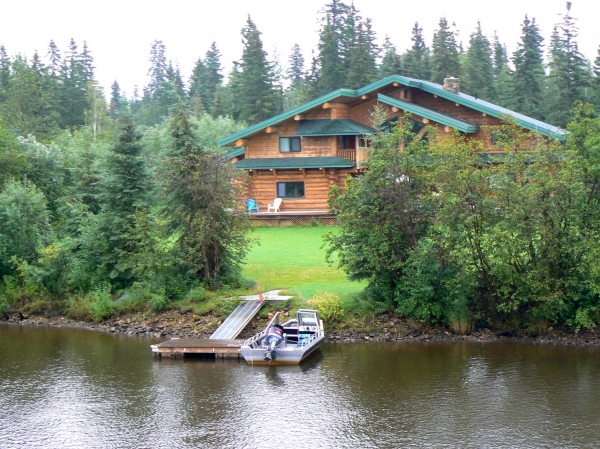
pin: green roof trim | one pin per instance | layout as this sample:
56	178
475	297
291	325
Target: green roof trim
427	86
438	117
235	153
293	163
340	127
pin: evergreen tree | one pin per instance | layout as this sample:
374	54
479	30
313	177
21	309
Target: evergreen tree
198	92
331	66
174	77
569	74
362	67
416	62
295	72
445	58
527	87
596	97
206	78
391	63
163	90
29	104
502	74
124	192
202	207
76	73
4	73
478	69
55	60
255	97
115	100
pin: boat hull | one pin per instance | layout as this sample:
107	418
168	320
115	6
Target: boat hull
291	354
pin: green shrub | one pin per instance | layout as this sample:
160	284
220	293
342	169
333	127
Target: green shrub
101	304
197	294
329	305
158	302
79	308
4	306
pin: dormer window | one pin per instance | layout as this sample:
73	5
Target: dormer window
289	144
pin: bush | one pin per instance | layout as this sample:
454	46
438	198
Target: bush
329	305
101	304
197	294
4	306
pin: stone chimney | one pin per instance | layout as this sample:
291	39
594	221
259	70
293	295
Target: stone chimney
452	85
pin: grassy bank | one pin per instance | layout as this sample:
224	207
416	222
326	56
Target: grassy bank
294	259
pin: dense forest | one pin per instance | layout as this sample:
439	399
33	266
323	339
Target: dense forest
105	197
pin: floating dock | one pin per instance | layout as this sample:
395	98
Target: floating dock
197	347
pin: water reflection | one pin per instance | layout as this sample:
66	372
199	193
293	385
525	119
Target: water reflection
70	388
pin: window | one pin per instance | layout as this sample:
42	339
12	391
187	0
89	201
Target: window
290	190
289	144
347	143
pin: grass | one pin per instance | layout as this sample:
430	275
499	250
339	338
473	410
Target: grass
293	259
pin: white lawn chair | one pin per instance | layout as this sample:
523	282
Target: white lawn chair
275	206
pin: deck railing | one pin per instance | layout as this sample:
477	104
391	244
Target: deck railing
348	154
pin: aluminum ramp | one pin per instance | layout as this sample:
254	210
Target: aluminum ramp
237	321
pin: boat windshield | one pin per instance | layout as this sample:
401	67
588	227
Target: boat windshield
307	319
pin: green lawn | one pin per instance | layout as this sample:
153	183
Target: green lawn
292	259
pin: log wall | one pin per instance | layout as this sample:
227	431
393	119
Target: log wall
317	183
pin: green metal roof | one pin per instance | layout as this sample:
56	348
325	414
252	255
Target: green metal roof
433	88
294	162
339	127
235	153
439	117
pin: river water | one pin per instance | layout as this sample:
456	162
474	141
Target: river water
70	388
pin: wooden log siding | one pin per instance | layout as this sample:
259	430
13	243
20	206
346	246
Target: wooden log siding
317	184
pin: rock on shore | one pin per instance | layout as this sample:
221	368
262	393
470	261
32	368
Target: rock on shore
385	328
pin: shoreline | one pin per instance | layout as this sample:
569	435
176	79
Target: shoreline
385	328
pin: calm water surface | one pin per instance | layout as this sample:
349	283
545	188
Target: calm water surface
66	388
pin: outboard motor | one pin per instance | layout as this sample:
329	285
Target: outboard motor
273	338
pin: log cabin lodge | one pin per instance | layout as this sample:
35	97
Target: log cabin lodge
299	154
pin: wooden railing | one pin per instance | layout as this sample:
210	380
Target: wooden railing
348	154
357	156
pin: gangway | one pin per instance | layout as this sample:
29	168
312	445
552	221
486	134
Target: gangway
237	321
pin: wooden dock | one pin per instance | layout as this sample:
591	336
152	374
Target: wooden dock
195	347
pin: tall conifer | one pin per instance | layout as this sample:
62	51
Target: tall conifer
569	73
478	70
417	60
445	58
391	64
255	96
527	87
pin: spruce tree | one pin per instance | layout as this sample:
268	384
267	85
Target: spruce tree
502	74
445	58
478	70
115	100
29	102
527	87
201	206
4	72
391	63
416	62
362	67
331	66
569	74
198	92
124	192
76	72
596	97
256	97
295	72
